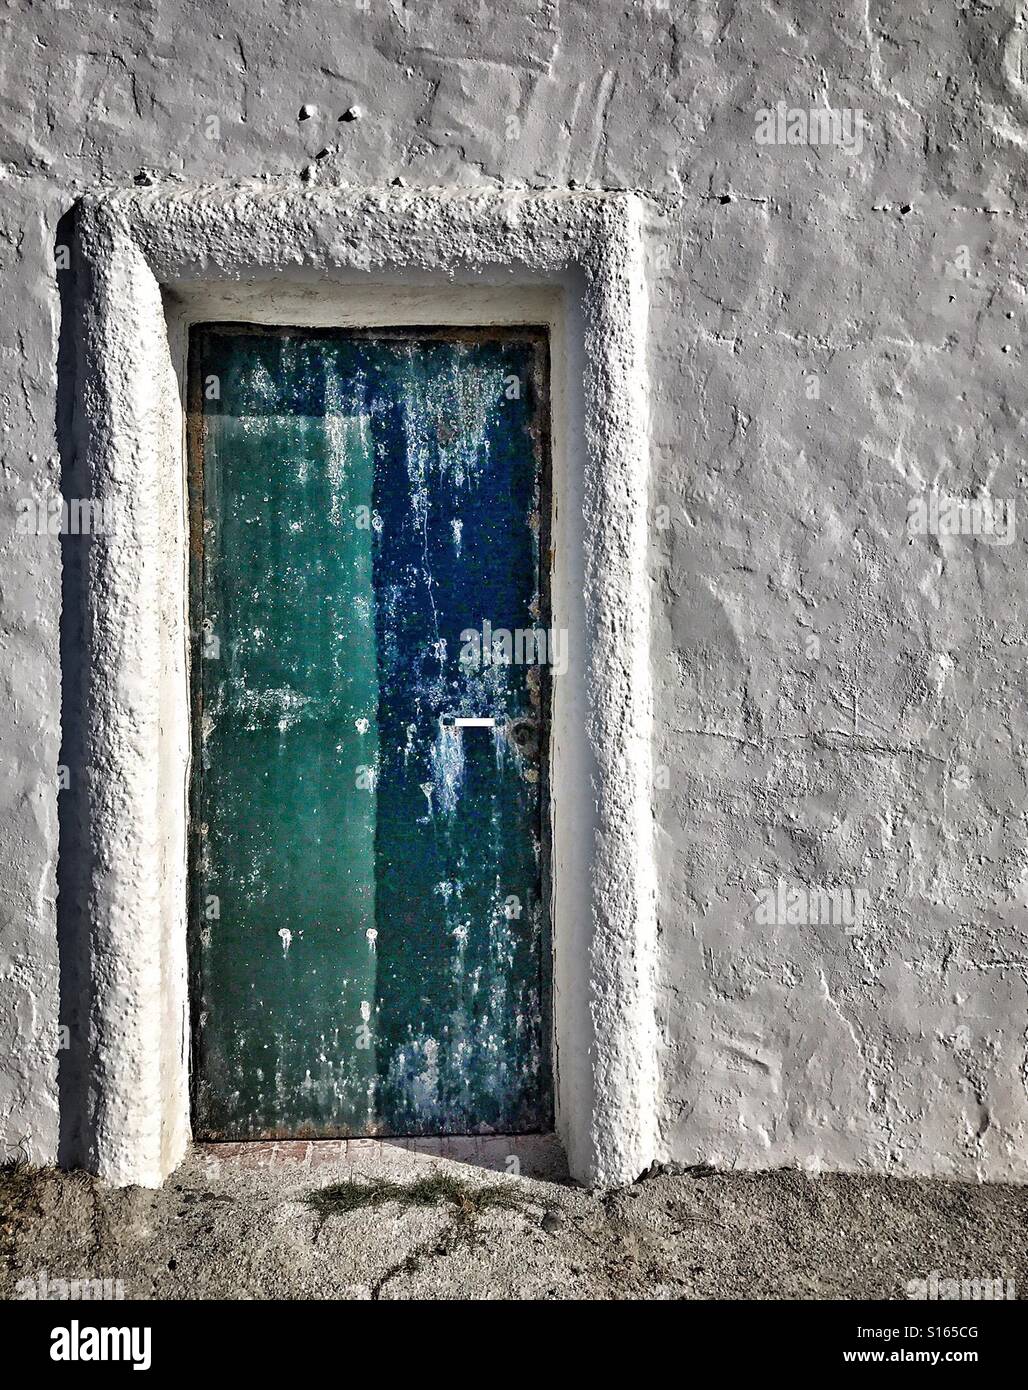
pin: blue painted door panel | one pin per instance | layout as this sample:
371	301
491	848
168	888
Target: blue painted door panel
369	947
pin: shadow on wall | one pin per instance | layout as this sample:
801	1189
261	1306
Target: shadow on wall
73	870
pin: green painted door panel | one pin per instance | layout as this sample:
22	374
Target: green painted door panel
368	942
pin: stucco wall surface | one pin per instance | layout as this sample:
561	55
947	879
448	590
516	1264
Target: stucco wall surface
836	330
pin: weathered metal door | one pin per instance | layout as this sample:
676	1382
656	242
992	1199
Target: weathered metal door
369	948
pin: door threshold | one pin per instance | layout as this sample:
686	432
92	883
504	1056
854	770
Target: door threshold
539	1156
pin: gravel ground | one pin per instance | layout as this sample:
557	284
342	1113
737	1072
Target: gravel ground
392	1223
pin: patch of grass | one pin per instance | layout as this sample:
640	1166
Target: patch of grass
19	1188
433	1190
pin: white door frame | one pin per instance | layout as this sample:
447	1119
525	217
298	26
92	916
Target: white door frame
150	262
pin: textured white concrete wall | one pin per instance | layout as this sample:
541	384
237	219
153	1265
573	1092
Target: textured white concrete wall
834	328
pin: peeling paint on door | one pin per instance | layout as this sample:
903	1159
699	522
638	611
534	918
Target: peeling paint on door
369	934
